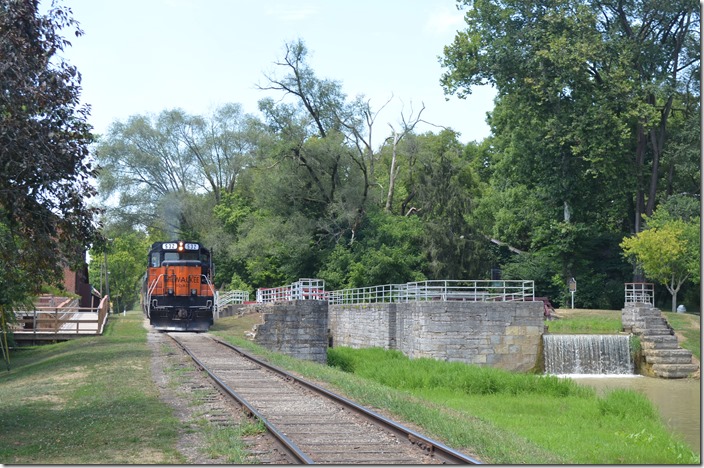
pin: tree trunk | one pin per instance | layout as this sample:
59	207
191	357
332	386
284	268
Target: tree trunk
392	176
673	290
657	141
639	197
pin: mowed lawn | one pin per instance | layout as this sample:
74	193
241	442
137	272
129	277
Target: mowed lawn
93	401
87	401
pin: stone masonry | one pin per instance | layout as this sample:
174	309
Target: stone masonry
506	335
662	355
296	328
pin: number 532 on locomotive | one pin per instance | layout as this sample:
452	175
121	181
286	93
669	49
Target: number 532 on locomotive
177	290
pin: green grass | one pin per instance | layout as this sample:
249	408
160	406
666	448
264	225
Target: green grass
496	416
585	322
93	401
688	325
566	420
86	401
226	442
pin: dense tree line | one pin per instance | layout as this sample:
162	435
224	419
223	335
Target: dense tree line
594	135
595	125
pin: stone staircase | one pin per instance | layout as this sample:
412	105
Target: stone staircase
661	354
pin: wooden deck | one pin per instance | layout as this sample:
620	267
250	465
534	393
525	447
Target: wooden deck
59	323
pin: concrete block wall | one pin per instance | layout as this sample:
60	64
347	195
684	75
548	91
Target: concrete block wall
506	335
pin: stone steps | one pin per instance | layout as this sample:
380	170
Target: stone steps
662	355
668	356
674	371
659	342
662	331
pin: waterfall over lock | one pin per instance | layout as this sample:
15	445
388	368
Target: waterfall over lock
587	354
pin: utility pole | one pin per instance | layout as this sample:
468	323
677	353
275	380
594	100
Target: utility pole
107	275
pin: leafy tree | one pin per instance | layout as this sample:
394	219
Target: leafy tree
585	88
669	253
441	187
588	95
157	164
126	252
387	251
44	137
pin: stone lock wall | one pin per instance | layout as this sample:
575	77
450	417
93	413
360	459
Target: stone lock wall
296	328
363	325
506	335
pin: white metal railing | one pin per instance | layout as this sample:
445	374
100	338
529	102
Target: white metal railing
640	293
225	298
370	294
438	290
303	289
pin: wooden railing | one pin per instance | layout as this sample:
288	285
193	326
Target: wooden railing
64	319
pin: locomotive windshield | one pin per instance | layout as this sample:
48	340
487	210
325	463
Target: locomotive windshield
181	256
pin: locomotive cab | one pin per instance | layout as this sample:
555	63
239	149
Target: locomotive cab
178	293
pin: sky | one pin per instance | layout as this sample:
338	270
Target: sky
141	57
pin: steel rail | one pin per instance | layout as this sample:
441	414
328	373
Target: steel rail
291	448
440	450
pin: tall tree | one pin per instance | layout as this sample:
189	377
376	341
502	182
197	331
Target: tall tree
586	95
156	165
126	254
45	175
600	78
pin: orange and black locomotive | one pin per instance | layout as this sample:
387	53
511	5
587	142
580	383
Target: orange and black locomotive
177	290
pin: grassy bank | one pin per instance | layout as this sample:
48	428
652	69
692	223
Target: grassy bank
86	401
93	401
496	416
688	328
588	321
567	420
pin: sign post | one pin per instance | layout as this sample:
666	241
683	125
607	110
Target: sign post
573	289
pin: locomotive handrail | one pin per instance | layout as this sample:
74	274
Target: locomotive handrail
209	283
151	289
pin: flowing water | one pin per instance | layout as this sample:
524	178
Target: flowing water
677	400
604	362
587	354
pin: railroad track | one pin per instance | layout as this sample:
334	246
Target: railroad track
312	424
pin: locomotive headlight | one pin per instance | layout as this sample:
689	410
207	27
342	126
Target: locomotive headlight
171	292
194	292
180	246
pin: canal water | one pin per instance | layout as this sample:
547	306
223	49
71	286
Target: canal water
678	400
